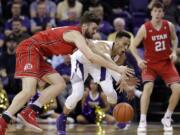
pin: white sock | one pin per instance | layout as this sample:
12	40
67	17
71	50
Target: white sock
138	93
8	113
37	103
143	118
168	114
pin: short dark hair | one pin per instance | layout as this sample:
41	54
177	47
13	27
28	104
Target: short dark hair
123	34
157	5
17	19
89	17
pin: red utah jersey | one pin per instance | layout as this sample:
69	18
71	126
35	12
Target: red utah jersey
157	44
50	42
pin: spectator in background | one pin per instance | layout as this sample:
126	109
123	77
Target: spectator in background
178	16
42	21
50	8
118	6
105	27
64	70
9	62
87	4
69	10
169	10
24	7
16	13
17	32
119	25
1	43
1	16
92	99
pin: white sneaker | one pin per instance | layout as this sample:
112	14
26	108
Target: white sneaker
142	126
167	124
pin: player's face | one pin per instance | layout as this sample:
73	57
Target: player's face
121	45
157	14
90	30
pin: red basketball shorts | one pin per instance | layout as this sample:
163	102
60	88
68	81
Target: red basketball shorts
165	69
29	61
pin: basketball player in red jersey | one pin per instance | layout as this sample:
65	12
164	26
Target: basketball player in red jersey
158	35
30	66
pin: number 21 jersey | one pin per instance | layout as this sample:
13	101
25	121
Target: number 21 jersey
157	44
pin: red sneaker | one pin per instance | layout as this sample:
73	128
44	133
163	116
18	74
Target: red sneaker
3	126
28	117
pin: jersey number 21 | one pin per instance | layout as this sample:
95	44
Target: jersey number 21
160	46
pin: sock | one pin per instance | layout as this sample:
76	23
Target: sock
138	93
168	114
36	108
7	116
143	118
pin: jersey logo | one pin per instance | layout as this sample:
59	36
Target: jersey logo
28	66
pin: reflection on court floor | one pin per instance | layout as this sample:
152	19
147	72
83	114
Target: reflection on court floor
77	129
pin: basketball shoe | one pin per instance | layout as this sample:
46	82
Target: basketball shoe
167	124
142	126
28	117
61	124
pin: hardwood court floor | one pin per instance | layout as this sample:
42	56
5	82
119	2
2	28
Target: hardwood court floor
49	129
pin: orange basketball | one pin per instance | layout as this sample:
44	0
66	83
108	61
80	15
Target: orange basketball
123	112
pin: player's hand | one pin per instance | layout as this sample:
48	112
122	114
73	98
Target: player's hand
125	71
173	57
130	95
142	63
127	84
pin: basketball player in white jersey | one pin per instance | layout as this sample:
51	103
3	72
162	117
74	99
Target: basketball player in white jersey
81	67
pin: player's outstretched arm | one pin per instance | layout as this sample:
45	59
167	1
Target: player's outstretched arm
77	38
135	43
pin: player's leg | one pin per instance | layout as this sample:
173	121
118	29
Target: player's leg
26	59
103	76
171	77
109	91
28	90
70	104
173	101
144	104
78	74
81	119
57	85
148	76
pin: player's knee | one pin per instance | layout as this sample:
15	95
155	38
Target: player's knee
148	88
72	100
112	97
78	96
61	85
175	88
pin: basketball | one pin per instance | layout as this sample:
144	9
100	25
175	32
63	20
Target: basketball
123	112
